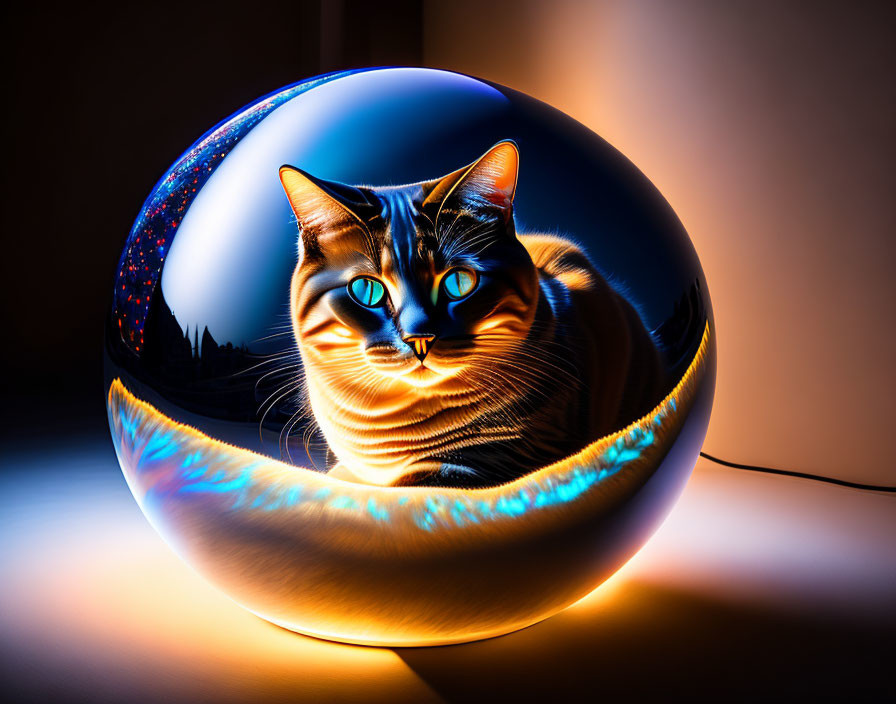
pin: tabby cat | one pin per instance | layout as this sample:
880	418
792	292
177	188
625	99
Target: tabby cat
441	347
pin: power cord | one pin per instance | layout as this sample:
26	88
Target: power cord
800	475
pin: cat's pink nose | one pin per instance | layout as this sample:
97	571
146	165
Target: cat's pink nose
421	344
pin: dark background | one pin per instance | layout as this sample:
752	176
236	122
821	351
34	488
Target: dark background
770	129
101	100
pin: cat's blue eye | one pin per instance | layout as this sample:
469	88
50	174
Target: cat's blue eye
459	283
367	291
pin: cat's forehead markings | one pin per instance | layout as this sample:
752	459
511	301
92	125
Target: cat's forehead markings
401	233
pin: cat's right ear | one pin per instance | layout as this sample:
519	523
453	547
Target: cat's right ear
320	214
488	184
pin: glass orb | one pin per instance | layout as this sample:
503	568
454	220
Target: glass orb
404	357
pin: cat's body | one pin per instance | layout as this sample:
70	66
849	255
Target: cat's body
441	347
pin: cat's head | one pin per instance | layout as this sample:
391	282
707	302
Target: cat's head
424	285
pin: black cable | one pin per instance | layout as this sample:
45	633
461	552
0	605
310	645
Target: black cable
800	475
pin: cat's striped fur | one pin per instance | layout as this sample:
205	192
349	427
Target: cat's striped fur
541	359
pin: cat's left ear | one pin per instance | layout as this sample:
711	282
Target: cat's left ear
487	183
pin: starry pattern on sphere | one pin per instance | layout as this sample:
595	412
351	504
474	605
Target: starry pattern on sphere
164	210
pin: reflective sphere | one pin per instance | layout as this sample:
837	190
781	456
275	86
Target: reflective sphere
404	357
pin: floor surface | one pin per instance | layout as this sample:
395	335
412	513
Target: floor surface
755	586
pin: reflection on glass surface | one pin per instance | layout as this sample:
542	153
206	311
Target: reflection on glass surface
215	338
226	436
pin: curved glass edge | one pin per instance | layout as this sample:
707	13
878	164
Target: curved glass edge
168	201
163	458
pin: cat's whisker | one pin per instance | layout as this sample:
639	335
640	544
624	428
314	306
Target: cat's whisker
538	349
525	370
274	359
540	359
294	372
284	333
276	395
502	370
446	233
472	238
463	248
273	399
515	394
299	415
290	369
489	342
500	378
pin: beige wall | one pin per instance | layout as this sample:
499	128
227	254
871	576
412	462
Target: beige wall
771	129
